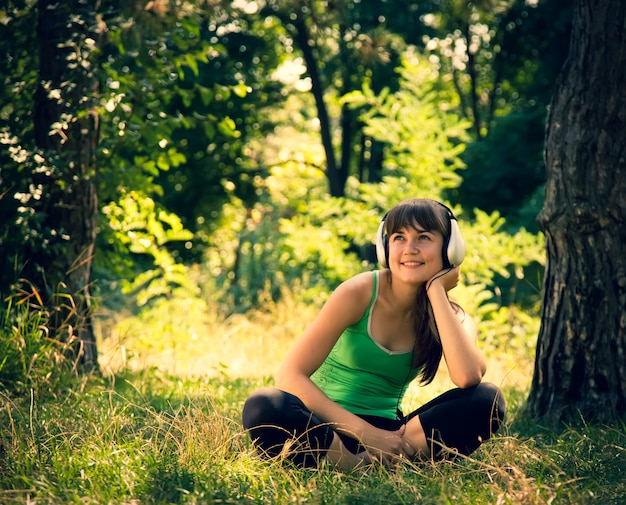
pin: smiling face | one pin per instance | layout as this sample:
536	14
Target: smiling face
415	253
416	231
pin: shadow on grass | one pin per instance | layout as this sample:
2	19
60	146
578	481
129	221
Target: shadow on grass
588	457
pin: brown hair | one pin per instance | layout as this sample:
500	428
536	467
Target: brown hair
432	216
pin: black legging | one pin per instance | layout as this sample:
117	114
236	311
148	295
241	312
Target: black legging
279	423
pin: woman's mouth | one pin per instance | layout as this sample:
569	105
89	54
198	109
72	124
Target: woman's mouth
412	264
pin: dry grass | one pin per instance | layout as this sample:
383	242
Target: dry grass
188	339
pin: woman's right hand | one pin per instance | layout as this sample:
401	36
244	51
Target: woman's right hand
386	447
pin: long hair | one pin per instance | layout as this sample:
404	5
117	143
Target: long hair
432	216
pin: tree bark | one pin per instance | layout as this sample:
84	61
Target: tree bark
66	131
580	367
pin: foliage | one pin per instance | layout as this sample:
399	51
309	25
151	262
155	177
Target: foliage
20	162
182	103
502	58
270	248
492	52
299	239
176	85
201	132
486	56
504	171
424	136
188	95
136	225
342	45
50	209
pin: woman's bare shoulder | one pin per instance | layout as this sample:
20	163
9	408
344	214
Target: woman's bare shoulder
362	283
355	292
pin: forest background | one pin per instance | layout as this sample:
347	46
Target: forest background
246	154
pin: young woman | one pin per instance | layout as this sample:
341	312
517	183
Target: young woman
338	392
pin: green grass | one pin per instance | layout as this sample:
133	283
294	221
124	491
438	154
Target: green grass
150	437
162	426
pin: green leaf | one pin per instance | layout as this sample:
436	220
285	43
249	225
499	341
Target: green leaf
241	90
192	63
228	127
163	162
206	94
209	129
176	158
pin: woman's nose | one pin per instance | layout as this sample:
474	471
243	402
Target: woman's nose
413	245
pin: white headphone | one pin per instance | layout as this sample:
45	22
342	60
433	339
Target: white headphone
452	253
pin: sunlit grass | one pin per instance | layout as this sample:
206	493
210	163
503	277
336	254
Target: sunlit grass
186	338
163	426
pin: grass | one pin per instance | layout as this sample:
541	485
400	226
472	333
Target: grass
160	427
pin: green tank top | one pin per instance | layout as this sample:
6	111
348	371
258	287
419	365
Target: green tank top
361	375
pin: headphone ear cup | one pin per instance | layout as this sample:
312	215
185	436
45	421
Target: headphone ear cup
381	245
456	245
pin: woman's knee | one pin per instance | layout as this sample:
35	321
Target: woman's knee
492	400
272	417
262	407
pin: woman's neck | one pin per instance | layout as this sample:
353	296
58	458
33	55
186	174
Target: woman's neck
401	295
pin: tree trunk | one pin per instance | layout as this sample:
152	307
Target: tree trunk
377	157
66	129
301	35
580	367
